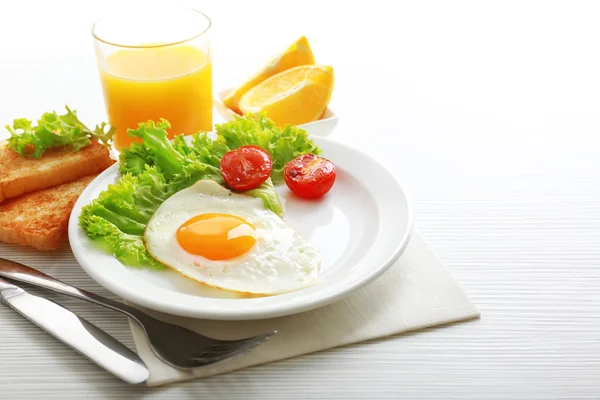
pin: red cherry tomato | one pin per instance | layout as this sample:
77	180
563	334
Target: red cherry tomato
246	168
309	176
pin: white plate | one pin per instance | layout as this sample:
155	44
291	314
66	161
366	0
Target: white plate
322	127
361	227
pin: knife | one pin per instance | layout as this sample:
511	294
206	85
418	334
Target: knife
78	333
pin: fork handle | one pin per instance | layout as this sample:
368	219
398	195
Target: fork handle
25	274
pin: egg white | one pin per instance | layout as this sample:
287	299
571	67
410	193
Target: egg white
280	261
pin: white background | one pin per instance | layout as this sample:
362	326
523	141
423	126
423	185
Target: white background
490	114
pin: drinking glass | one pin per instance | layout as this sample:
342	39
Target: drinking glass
155	63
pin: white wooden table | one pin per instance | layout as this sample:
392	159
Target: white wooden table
490	114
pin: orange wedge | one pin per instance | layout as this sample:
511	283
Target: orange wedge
294	96
298	53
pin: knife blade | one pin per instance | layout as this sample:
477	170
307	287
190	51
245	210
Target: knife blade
76	332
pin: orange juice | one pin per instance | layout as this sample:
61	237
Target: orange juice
173	82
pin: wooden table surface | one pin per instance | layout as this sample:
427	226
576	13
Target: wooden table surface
489	112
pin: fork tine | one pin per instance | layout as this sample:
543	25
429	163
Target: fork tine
228	344
224	349
212	356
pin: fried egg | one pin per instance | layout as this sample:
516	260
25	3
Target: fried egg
230	241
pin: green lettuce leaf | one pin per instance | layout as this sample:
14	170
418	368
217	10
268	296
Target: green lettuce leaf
180	164
120	213
129	249
134	159
54	130
159	148
266	192
283	144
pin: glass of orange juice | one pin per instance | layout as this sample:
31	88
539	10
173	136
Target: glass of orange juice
155	63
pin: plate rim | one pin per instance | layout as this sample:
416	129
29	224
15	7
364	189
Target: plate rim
219	314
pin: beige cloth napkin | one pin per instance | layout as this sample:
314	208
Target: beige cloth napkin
416	292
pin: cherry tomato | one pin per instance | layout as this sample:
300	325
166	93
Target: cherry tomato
246	168
309	176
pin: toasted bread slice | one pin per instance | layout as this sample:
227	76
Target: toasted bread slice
40	219
20	175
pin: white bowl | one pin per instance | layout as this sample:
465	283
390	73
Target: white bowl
322	127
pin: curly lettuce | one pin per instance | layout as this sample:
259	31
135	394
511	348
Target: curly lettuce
119	215
157	168
54	130
283	144
202	155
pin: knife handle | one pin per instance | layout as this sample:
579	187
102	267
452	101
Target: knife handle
76	332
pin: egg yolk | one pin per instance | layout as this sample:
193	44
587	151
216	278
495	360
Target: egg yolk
216	236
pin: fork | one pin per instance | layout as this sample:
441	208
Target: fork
173	344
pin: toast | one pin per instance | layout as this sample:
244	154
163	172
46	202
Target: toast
40	219
20	175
